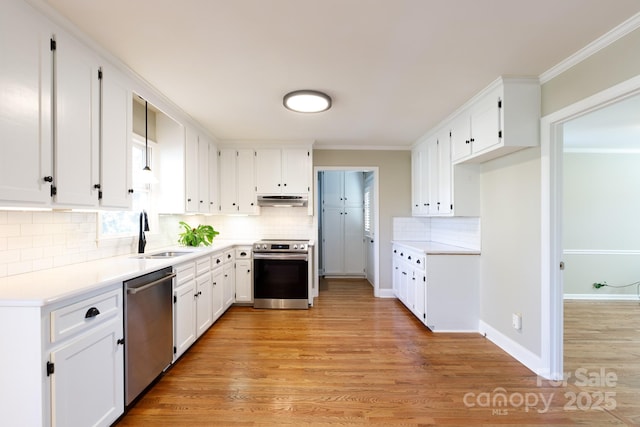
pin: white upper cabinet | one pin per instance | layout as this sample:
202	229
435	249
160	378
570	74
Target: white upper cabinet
76	124
115	141
501	119
283	171
25	100
237	181
197	171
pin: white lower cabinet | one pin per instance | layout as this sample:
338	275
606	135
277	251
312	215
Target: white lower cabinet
66	362
217	282
244	275
228	279
87	385
440	290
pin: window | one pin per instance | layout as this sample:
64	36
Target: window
125	223
368	214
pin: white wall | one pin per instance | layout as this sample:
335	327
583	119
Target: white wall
510	260
601	223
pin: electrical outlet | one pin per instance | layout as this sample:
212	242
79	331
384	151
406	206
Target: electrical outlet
516	321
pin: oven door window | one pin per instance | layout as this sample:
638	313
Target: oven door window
280	279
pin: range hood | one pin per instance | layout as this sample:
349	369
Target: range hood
282	201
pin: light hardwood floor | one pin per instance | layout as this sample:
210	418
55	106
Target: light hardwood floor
354	360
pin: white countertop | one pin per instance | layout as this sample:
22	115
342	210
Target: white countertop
435	248
45	287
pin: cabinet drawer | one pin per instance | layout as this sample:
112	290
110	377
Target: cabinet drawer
217	259
203	265
185	273
244	253
85	314
229	256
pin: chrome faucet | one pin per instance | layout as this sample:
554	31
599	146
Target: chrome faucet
144	226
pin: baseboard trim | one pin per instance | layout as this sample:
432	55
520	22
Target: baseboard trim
514	349
601	297
386	293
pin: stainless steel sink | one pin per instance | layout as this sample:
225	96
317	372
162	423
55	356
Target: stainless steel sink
167	254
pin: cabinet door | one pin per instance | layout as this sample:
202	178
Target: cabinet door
87	386
417	183
296	171
25	91
443	165
353	240
115	141
213	178
461	136
353	188
228	284
247	202
396	274
332	239
203	175
217	293
184	318
432	180
76	128
244	282
420	295
204	303
191	171
269	171
228	181
485	122
333	189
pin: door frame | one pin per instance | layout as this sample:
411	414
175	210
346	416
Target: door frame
552	295
376	220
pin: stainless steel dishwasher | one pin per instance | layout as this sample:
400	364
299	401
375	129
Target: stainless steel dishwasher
148	326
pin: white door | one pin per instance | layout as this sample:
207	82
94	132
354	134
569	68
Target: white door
353	241
269	171
228	181
333	189
203	175
353	188
76	142
115	142
25	91
184	318
333	240
217	293
87	386
244	284
247	202
204	303
295	171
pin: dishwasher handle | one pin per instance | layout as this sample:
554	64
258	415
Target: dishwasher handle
134	291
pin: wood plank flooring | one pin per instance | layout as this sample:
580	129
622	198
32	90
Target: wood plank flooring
351	360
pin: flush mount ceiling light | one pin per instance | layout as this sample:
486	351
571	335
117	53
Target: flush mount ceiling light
307	101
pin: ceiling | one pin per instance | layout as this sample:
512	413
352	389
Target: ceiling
394	68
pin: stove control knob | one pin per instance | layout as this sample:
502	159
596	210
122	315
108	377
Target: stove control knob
302	247
264	246
258	247
295	247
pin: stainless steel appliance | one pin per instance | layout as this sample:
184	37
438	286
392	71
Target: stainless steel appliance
281	274
282	201
148	326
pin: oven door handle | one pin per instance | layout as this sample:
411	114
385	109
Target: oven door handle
281	256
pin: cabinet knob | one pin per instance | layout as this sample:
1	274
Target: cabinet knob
285	184
48	179
201	201
120	341
96	186
188	200
130	191
278	185
233	204
243	253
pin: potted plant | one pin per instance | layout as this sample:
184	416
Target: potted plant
202	234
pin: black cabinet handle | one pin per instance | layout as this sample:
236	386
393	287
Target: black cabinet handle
243	253
96	186
92	312
131	191
48	179
120	341
188	200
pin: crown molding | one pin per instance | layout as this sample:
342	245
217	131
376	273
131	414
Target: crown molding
597	45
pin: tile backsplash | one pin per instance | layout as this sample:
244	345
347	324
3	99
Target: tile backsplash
38	240
457	231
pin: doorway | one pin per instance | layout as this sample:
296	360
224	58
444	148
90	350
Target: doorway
552	155
332	256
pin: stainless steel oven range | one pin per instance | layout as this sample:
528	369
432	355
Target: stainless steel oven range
281	274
